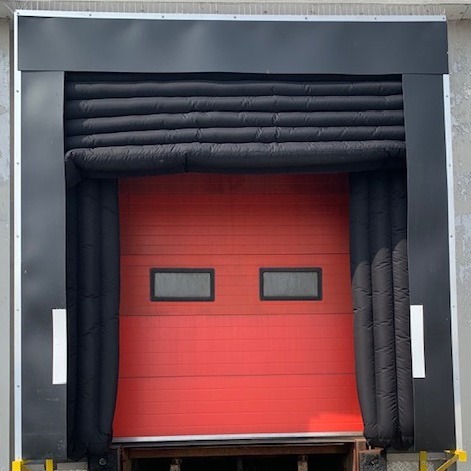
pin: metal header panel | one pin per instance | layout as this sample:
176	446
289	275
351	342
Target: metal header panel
244	46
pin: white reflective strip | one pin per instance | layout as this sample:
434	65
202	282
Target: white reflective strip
59	346
417	340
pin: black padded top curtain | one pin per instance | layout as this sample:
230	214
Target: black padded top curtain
131	124
136	124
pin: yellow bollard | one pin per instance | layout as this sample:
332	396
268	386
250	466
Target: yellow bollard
423	461
17	465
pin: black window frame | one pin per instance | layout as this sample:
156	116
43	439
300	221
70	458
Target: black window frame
264	270
210	298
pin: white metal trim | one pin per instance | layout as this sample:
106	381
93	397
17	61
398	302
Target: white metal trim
17	261
452	257
59	346
243	436
417	340
228	17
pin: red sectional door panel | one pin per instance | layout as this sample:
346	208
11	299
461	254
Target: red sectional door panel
237	365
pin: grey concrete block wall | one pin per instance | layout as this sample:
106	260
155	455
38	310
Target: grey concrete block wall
4	245
459	37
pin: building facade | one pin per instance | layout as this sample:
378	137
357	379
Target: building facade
459	40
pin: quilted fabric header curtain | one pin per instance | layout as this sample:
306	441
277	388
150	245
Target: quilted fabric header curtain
134	124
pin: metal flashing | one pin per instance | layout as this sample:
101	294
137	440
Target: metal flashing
237	437
452	250
17	256
231	17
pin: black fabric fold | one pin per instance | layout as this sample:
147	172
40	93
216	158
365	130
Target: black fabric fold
238	135
105	107
230	158
92	298
147	88
383	310
378	245
398	192
362	300
233	119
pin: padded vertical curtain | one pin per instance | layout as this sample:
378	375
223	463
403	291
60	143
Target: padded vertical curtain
139	124
378	250
92	306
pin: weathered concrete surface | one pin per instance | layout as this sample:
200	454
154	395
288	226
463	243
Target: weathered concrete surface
4	245
460	81
410	461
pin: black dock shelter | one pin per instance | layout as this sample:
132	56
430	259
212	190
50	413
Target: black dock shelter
104	98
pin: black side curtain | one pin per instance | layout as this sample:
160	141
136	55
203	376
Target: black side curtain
137	124
378	251
92	306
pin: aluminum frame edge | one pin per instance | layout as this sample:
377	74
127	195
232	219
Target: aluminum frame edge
229	17
234	437
452	259
17	259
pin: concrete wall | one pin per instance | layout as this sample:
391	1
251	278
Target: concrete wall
4	245
460	81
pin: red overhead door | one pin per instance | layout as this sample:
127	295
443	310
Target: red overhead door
238	364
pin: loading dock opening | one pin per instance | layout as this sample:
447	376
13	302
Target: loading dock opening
288	456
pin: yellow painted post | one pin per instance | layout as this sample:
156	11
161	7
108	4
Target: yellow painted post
423	461
462	455
16	465
458	456
448	463
49	465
